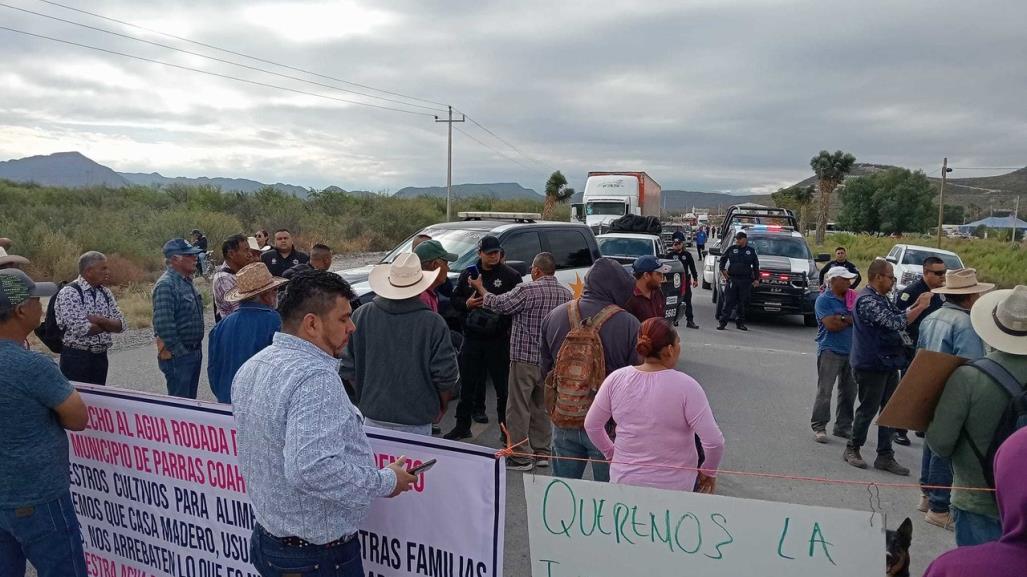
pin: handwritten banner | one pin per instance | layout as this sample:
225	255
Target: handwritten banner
598	529
157	488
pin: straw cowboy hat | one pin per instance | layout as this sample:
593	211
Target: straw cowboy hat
251	280
11	258
1000	318
402	279
963	281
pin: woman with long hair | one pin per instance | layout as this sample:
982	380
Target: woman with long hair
659	411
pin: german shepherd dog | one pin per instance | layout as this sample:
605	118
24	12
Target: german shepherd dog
898	541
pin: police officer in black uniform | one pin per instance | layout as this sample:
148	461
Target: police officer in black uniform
742	274
688	281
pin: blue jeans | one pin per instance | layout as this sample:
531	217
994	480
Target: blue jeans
412	429
576	444
271	558
974	528
182	373
935	470
47	535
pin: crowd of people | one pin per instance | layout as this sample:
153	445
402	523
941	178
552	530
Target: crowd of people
580	383
866	340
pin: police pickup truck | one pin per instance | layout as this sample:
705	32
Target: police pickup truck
522	236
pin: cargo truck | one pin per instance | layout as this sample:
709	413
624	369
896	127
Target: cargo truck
611	195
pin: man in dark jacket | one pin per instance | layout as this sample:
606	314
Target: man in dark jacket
607	283
841	258
740	268
877	354
401	359
486	348
689	280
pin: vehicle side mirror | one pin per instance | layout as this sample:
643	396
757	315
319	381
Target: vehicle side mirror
715	251
823	257
892	259
520	266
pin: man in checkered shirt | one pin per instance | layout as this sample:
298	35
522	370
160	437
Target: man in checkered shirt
88	313
528	304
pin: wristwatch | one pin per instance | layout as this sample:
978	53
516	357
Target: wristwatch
842	317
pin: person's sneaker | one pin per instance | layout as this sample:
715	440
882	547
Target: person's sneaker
542	461
902	439
943	520
519	465
436	430
458	433
820	437
721	326
480	418
890	465
925	504
853	458
692	325
742	327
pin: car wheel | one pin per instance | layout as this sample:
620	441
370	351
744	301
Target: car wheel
809	320
706	286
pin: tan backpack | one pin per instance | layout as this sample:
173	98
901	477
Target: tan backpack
579	370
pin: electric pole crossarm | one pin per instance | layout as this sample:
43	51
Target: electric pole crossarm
449	162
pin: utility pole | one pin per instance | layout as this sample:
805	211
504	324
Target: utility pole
449	163
945	170
1012	222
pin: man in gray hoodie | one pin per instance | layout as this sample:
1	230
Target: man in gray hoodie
606	283
401	359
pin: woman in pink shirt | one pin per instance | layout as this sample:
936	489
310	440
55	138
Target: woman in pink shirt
658	411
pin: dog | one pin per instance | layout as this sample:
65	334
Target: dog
898	542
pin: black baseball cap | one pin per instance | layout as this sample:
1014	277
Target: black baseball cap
741	234
16	287
489	244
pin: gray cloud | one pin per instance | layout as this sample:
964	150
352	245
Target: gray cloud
704	95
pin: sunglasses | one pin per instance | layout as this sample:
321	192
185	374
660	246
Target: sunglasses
936	272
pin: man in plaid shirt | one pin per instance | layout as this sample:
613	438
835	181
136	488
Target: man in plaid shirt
528	304
178	320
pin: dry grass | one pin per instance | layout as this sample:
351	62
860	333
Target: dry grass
136	304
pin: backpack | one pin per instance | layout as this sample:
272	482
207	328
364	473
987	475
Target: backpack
50	333
1012	419
579	370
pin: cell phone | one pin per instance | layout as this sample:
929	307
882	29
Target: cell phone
422	467
472	271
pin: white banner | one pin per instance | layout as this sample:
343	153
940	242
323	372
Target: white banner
601	529
157	489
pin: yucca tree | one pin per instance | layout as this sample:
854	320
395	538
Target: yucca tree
830	170
556	192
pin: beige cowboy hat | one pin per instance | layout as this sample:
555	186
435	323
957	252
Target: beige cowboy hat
402	279
251	280
963	281
11	258
1000	318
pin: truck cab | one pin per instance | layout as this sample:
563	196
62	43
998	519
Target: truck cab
611	195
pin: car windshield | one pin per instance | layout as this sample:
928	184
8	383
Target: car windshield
463	243
633	247
917	257
605	208
788	247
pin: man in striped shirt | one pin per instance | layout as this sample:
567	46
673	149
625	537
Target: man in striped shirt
88	313
528	304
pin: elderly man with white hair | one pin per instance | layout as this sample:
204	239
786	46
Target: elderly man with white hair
88	313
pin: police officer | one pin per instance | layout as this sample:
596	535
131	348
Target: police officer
689	280
741	275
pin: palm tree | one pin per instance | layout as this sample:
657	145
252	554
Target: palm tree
830	170
556	192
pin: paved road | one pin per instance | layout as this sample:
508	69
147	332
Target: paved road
761	386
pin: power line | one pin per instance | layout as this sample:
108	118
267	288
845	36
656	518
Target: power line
209	73
227	51
499	152
214	58
497	137
986	167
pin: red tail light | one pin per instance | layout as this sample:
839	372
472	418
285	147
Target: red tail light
764	274
783	277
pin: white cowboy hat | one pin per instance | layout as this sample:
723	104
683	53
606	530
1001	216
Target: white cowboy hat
1000	318
402	279
11	258
963	281
251	280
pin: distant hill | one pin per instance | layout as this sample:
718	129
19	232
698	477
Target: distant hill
62	169
498	191
678	200
225	184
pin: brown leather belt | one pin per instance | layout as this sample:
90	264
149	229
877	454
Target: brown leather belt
298	542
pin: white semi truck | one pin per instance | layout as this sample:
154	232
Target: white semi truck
611	195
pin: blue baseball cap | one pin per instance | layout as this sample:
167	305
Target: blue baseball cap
177	246
649	263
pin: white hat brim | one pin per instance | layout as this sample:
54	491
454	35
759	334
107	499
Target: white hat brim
379	281
984	324
981	287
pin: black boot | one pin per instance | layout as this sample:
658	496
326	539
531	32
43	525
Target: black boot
722	325
741	326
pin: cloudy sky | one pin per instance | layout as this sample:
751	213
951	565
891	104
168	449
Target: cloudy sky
704	95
